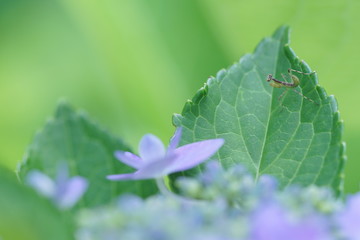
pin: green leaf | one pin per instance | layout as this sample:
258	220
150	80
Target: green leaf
293	139
25	215
88	150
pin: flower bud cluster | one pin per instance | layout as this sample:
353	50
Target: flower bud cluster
226	204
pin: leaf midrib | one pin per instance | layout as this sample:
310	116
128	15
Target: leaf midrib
257	175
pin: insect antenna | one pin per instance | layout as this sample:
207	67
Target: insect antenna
268	76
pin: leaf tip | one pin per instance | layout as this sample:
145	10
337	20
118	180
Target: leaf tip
200	94
221	74
333	103
343	150
63	108
305	66
187	106
211	80
290	53
339	181
321	92
176	119
283	32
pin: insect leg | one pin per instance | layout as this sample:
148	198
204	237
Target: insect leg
309	99
283	93
284	77
290	70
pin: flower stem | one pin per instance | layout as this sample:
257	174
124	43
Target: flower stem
166	192
163	189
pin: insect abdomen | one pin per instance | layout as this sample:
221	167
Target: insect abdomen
276	85
295	80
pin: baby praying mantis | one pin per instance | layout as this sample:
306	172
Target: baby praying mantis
289	85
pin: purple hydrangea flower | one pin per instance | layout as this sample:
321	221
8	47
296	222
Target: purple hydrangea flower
155	161
64	191
273	222
349	218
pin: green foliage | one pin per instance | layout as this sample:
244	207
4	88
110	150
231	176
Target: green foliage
88	150
99	55
293	139
24	215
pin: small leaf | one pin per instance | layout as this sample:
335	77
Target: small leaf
88	150
293	139
25	215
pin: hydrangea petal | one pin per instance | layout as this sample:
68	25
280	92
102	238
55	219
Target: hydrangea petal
151	148
126	176
193	154
62	174
174	142
129	159
349	218
152	170
42	183
75	188
154	162
273	222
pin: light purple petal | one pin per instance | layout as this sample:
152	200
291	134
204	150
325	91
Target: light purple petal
152	170
61	180
154	162
75	188
349	218
118	177
42	183
174	142
193	154
274	222
62	174
151	148
129	159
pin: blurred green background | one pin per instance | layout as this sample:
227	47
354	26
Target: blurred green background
132	64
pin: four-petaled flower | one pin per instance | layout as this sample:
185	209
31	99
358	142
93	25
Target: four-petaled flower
155	161
63	191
